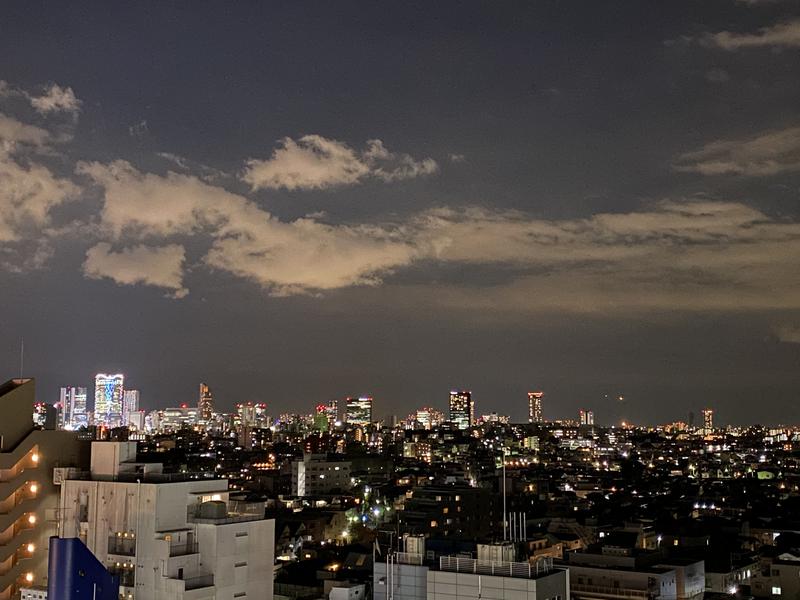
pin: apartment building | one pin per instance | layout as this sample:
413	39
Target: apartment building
28	496
168	536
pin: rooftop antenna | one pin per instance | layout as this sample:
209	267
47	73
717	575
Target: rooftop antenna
21	356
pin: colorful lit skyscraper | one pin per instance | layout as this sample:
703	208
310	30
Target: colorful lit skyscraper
108	392
73	408
535	414
462	409
359	411
205	403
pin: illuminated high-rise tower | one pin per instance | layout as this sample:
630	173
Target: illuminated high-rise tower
73	408
359	411
462	409
130	404
108	391
205	403
586	417
708	421
535	414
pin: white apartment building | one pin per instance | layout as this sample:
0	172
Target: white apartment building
169	537
405	577
315	475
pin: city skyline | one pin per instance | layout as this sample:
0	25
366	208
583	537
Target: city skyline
599	201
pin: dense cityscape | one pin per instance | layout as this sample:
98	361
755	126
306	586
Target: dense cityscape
347	506
416	300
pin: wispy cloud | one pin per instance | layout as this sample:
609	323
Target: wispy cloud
28	190
786	35
159	266
53	99
673	255
56	99
765	154
316	162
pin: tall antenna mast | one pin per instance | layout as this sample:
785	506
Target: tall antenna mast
21	356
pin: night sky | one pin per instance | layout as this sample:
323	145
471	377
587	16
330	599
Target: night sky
299	201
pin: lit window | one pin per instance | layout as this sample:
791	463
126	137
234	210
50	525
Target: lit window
776	591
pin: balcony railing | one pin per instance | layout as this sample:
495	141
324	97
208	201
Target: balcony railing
201	581
607	590
184	549
408	558
127	577
523	570
123	546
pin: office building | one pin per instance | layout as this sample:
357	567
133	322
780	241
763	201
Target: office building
429	418
29	496
462	409
586	417
359	411
326	416
108	392
173	419
130	405
708	421
167	537
73	408
535	414
205	403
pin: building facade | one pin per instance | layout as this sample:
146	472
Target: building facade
108	393
535	414
28	495
359	411
462	409
73	408
205	402
167	537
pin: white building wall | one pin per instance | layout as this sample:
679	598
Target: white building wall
94	511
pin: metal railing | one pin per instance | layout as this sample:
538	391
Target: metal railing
408	558
236	512
201	581
608	590
184	549
524	570
123	546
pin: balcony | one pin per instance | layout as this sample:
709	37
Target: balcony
220	513
127	575
122	545
183	549
198	582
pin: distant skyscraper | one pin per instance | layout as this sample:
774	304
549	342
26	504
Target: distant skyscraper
708	421
359	411
108	391
130	404
205	403
330	412
462	409
535	414
586	417
428	418
73	408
